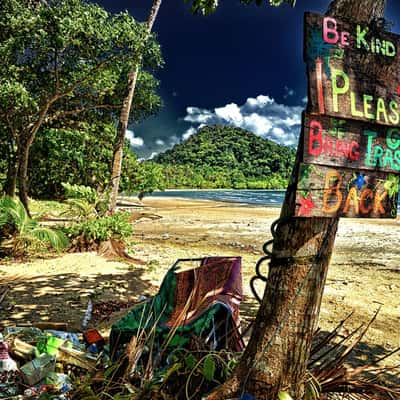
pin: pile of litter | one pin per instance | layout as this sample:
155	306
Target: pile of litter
34	361
194	310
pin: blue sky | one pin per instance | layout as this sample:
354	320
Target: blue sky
241	66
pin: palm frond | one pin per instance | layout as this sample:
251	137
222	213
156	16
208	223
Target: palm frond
337	380
55	238
6	203
81	208
27	232
17	215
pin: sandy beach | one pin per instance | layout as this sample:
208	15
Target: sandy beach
364	273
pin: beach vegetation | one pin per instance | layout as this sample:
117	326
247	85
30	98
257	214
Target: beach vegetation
89	234
20	234
64	63
207	7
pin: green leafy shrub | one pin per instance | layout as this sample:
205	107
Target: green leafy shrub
20	234
80	192
85	202
91	233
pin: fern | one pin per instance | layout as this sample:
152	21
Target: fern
81	209
85	202
80	192
20	233
103	228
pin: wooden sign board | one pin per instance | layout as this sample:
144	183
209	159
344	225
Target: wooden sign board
352	70
328	192
350	144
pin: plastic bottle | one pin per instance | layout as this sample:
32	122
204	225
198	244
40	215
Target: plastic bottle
8	371
7	364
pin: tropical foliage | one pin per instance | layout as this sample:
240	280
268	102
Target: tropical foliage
63	63
90	233
81	157
207	7
227	157
19	233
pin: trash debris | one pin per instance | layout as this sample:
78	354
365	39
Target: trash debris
24	350
46	360
37	369
35	362
88	315
8	371
92	336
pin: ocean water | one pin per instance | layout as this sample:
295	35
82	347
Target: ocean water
269	198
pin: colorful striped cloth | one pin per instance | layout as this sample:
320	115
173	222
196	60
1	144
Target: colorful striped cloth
202	302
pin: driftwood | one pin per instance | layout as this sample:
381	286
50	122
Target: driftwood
4	294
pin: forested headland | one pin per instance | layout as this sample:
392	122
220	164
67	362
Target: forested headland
226	157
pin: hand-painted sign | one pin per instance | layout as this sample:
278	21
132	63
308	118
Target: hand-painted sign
353	70
328	192
351	144
351	148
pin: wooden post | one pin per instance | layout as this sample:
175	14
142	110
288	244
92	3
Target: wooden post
278	351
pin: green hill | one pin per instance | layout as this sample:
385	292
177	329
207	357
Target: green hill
226	157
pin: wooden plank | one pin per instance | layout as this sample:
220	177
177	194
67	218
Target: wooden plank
350	144
328	192
352	70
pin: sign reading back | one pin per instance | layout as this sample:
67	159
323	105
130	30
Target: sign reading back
328	192
353	70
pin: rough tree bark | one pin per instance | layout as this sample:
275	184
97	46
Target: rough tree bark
278	351
11	179
124	118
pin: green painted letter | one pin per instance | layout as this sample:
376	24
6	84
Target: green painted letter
336	90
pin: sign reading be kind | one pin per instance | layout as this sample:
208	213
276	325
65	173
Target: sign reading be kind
351	131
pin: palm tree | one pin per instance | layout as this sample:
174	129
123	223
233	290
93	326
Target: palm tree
124	118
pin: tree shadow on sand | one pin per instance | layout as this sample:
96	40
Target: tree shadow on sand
64	297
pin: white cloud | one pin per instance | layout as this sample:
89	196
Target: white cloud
261	115
152	155
160	142
173	140
191	131
135	141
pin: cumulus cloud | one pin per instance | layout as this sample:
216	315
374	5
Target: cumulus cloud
135	141
191	131
261	115
173	140
160	142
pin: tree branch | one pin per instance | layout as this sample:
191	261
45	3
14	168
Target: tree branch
81	110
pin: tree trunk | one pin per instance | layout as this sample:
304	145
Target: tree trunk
124	118
11	180
278	351
23	158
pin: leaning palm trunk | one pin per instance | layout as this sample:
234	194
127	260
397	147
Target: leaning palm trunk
124	117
